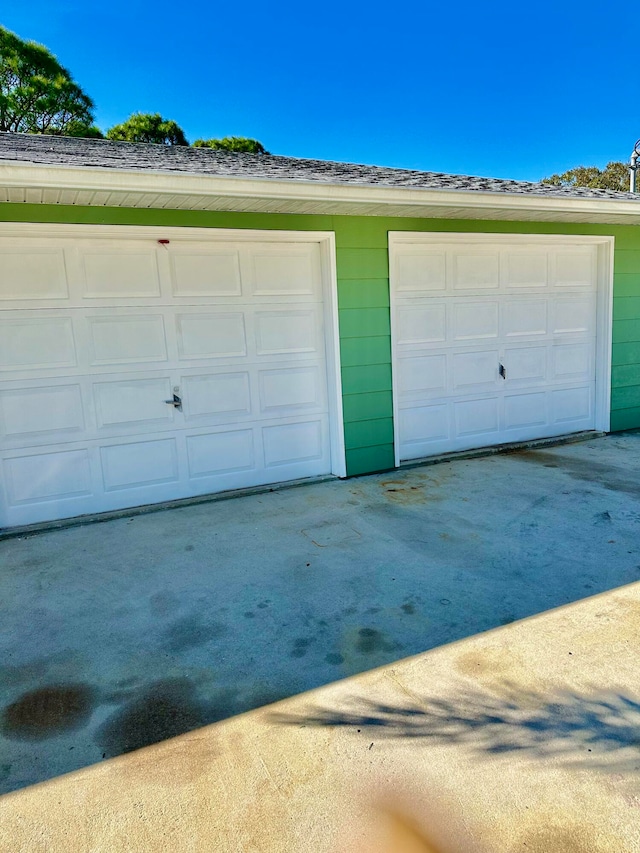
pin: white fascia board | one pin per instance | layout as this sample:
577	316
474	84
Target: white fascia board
32	175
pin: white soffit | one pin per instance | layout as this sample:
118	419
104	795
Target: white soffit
82	186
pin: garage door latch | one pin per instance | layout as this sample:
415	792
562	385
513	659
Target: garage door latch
176	401
502	371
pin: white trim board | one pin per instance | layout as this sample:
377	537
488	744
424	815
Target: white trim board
33	183
605	256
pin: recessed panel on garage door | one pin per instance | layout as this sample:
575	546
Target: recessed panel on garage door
526	268
275	271
525	410
126	339
40	274
220	335
475	321
424	426
117	272
422	373
132	402
36	343
216	394
289	389
285	444
418	324
205	271
42	477
527	364
139	463
422	272
225	452
21	411
286	332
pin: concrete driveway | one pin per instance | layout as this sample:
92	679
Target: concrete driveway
122	634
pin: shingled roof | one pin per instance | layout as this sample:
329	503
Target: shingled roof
135	157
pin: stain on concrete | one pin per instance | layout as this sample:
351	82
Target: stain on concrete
474	663
170	707
401	493
193	631
263	604
334	659
34	562
586	470
349	611
300	646
190	548
370	641
165	709
48	711
408	608
249	614
417	488
498	668
603	517
573	839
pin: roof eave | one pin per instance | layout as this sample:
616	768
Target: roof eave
89	186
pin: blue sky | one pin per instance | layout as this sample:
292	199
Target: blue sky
502	89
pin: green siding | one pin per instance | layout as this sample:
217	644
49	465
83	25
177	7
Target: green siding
625	419
625	331
364	322
360	232
626	262
367	460
625	284
362	263
626	307
365	378
373	433
626	354
363	293
354	351
367	406
363	299
624	374
625	397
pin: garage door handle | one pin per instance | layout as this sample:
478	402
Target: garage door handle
176	402
502	371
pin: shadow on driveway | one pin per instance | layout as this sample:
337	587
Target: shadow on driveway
595	729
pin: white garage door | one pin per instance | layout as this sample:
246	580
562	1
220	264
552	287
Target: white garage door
495	339
97	332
